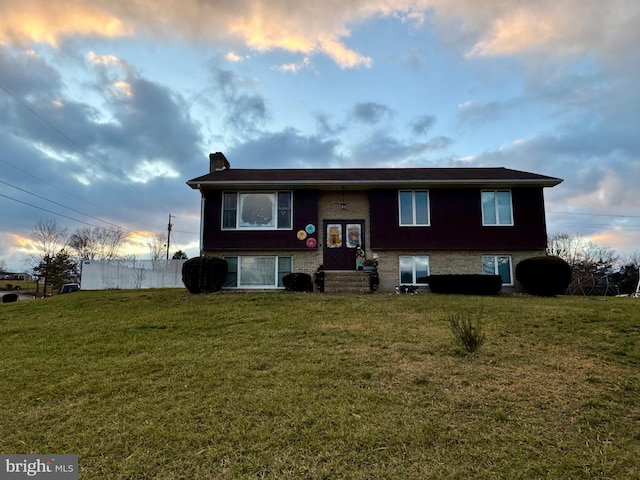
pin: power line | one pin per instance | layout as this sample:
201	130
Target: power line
594	214
63	206
69	193
68	217
48	211
72	142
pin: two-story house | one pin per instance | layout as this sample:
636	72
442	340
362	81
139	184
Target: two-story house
413	221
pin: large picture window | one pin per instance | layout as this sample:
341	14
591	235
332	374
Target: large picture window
414	207
414	270
257	271
496	207
498	265
257	210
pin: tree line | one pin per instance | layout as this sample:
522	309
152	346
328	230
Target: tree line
590	261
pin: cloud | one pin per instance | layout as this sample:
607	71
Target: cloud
294	67
370	113
285	149
470	112
244	112
489	28
91	164
422	125
382	150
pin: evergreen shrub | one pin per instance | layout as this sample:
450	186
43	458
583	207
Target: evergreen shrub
544	276
204	274
470	284
297	282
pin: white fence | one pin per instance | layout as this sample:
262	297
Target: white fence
128	274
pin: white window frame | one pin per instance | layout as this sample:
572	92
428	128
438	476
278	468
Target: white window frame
498	222
240	197
413	268
496	270
276	277
414	222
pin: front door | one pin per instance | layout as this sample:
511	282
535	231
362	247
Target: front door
341	241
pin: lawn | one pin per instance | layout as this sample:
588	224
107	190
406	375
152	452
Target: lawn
163	384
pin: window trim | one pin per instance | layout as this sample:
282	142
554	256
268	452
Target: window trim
413	208
497	210
496	270
413	269
238	210
277	274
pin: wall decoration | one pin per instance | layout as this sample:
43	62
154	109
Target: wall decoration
310	229
334	235
301	234
311	242
354	235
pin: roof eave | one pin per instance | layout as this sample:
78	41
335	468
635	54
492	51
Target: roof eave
367	184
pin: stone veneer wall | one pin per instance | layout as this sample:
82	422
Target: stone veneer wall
445	262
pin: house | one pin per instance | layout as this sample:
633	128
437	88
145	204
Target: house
413	221
23	276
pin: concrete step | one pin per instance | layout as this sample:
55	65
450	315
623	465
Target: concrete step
346	282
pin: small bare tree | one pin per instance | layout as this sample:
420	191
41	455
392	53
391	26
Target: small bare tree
157	247
48	238
98	243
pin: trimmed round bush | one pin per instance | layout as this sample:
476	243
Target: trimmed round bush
297	282
204	274
466	284
544	276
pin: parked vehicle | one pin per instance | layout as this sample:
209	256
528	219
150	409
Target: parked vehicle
69	287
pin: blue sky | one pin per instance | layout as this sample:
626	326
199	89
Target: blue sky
109	107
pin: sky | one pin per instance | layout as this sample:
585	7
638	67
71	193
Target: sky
107	107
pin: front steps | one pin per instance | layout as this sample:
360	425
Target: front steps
351	281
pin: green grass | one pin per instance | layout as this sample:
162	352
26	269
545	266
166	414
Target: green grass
166	385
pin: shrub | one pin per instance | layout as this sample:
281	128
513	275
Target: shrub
297	282
467	332
465	284
544	276
204	274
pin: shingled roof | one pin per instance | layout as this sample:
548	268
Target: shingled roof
364	178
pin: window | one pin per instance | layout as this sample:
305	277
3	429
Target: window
257	210
256	271
496	207
414	207
414	270
498	265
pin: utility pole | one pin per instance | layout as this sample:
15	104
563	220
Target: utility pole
168	236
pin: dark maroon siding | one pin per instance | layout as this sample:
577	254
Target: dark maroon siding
456	222
305	211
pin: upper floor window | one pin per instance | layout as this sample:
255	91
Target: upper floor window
257	210
414	207
496	207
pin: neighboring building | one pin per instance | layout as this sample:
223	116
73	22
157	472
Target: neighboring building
414	221
23	276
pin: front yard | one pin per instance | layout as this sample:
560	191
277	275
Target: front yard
163	384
